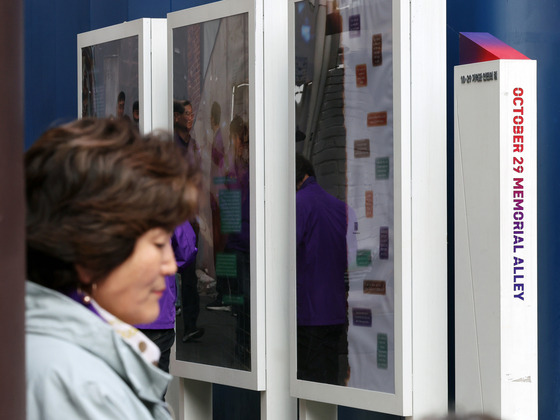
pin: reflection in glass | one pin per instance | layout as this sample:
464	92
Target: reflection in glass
321	286
110	79
344	128
211	108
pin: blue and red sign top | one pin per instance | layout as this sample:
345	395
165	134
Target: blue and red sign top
475	47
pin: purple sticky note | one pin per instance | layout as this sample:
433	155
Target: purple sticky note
354	25
383	243
361	317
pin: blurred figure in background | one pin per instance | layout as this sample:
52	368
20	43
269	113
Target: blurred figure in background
136	113
321	230
121	99
232	250
183	118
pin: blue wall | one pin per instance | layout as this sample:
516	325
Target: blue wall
51	58
51	62
531	26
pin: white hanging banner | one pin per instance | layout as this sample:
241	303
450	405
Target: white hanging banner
367	42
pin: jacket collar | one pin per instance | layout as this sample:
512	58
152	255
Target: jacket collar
53	314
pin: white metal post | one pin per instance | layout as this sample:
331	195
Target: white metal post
195	399
428	137
312	410
276	403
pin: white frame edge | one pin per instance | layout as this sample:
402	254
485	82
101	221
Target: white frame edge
429	208
142	29
400	402
419	264
254	379
158	65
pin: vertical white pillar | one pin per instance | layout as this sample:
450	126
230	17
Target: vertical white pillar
496	238
428	137
195	399
158	113
312	410
276	403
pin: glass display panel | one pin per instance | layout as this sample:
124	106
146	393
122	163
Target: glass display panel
345	198
110	79
211	122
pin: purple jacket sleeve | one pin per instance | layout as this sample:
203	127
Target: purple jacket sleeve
183	242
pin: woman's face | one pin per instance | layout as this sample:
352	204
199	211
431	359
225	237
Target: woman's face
132	291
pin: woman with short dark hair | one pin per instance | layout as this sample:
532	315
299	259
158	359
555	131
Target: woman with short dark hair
102	203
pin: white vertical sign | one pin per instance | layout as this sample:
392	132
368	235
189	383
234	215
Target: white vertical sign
496	238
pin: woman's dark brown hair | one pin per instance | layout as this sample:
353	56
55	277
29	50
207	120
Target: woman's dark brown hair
93	187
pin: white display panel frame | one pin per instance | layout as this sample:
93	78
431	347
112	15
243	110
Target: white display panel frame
496	238
399	402
420	229
152	66
255	378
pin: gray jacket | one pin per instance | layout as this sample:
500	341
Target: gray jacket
79	368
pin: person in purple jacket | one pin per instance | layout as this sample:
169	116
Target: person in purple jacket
162	330
321	227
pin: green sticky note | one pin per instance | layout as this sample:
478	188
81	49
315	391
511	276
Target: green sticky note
225	180
226	265
230	211
382	168
363	257
382	351
233	299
